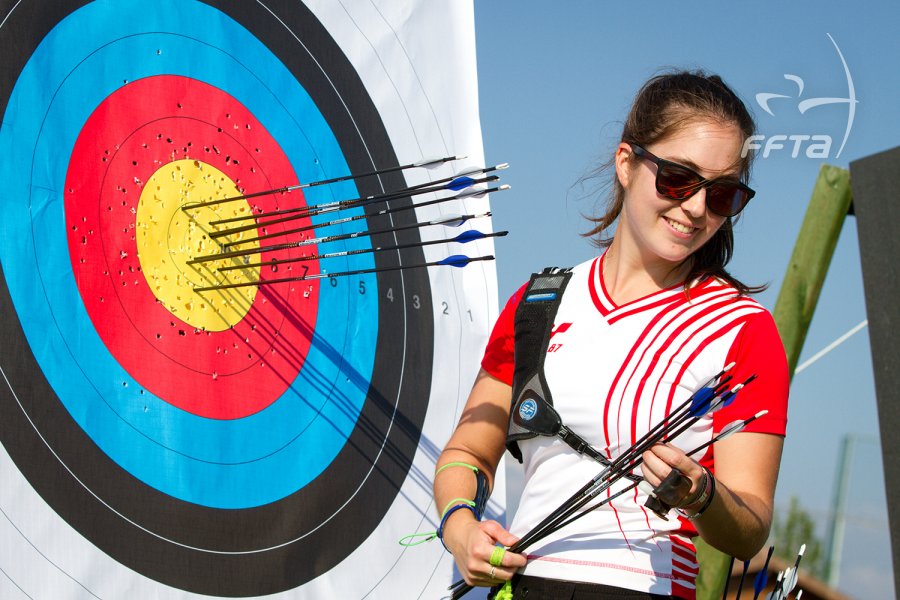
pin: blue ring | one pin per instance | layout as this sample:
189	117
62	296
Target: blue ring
280	449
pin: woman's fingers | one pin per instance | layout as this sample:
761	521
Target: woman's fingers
654	469
476	566
662	458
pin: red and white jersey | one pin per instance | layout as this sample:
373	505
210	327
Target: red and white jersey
615	371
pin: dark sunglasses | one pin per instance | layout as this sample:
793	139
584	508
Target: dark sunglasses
725	197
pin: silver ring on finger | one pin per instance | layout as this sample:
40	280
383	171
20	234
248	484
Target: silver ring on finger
491	574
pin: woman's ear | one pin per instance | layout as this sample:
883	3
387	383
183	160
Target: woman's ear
624	163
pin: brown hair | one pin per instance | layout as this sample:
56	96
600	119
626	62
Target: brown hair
665	104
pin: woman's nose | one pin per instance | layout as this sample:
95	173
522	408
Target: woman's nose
695	206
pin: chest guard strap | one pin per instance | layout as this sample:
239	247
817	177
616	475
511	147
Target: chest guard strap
533	328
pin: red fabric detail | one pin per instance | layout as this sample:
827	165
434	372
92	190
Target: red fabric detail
498	355
758	349
696	294
727	327
596	274
662	347
562	328
683	592
685	549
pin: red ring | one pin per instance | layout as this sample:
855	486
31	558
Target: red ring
136	130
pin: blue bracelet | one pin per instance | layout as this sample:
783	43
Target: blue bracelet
450	511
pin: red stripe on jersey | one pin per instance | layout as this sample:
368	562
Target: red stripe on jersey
622	370
697	314
711	336
666	336
770	390
629	365
737	322
670	315
619	522
682	547
604	299
673	298
595	277
695	294
692	296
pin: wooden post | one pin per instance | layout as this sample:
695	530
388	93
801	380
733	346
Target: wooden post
828	206
812	254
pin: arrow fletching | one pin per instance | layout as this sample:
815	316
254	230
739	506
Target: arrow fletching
788	582
701	401
456	220
434	161
731	429
473	234
762	578
460	183
461	260
759	584
479	192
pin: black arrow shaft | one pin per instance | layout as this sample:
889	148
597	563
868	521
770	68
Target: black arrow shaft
384	211
315	276
318	183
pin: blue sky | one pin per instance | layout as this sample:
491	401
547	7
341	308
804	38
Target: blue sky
555	82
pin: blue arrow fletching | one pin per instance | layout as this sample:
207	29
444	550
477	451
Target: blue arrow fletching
762	578
728	398
460	183
468	236
759	584
700	403
455	260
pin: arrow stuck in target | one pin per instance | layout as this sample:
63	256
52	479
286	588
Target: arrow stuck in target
426	163
462	182
457	182
455	260
385	211
463	238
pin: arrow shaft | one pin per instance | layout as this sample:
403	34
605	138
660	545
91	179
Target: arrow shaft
316	276
383	211
343	253
322	182
624	464
298	213
324	240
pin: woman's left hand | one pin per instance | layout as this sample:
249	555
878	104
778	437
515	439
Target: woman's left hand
659	462
738	518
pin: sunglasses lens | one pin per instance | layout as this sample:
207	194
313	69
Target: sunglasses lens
726	199
676	182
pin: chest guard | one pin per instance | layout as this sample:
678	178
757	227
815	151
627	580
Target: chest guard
533	327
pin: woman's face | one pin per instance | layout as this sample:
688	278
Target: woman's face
668	231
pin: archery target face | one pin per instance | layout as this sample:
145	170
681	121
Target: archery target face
203	440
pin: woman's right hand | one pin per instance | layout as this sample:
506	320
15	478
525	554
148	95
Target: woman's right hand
472	543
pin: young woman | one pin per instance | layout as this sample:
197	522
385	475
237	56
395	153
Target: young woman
640	328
